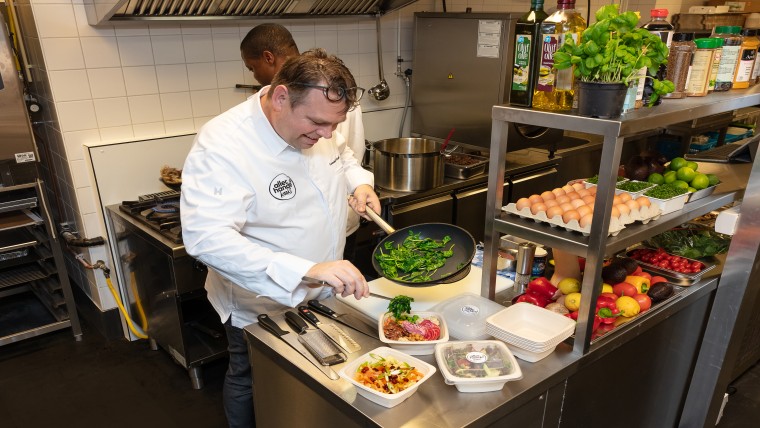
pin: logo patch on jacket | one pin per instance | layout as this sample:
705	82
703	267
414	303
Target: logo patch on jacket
282	187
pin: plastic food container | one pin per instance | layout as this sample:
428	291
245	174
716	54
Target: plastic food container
467	314
477	365
635	194
531	329
669	205
383	399
699	194
425	347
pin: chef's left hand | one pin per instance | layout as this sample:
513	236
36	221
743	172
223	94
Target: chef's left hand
364	197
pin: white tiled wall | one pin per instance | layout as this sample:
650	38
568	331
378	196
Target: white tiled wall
160	79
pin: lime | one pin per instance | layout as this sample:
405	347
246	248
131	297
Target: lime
670	176
691	189
681	184
713	179
677	163
701	181
692	165
656	178
686	174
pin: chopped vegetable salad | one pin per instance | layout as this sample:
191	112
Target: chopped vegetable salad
387	375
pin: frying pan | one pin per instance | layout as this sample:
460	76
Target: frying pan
456	267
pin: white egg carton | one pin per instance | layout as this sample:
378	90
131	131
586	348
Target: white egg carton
643	214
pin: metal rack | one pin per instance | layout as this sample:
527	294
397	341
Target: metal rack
35	294
598	244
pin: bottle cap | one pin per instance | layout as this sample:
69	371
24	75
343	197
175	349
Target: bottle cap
705	43
658	13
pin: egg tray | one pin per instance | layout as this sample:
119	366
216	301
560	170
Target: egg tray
675	277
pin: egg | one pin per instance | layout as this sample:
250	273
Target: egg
570	215
558	192
522	203
567	206
551	203
554	211
583	210
568	188
586	220
537	208
625	197
578	186
632	205
562	199
534	199
615	200
588	199
623	208
547	196
592	190
583	192
577	203
615	212
573	195
643	201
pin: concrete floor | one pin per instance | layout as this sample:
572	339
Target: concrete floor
54	381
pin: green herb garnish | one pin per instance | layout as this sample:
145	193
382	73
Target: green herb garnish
595	179
665	191
400	306
634	186
414	260
691	241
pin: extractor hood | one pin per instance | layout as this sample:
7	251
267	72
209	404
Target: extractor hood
116	11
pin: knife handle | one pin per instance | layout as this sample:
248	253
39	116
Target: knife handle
322	309
308	315
268	324
295	322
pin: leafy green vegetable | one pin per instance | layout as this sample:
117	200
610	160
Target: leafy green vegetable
665	191
691	241
400	306
414	260
595	179
634	186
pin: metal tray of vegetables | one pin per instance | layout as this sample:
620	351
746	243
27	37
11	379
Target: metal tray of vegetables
682	271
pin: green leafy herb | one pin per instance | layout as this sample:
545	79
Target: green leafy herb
595	179
400	306
634	186
691	241
665	191
414	260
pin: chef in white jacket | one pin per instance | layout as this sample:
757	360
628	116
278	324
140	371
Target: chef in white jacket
264	204
263	50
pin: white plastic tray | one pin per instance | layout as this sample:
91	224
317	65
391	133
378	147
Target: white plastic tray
426	347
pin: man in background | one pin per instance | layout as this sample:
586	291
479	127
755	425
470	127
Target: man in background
263	50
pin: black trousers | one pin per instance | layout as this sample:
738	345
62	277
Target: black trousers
237	392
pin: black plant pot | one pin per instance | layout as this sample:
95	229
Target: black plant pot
604	100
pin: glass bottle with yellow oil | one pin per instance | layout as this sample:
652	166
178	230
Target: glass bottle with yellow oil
554	88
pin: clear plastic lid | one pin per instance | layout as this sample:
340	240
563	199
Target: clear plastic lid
466	315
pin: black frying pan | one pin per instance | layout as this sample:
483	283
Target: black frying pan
456	267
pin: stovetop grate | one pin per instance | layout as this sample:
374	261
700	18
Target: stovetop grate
169	194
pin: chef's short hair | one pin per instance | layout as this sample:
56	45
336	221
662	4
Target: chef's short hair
316	67
270	37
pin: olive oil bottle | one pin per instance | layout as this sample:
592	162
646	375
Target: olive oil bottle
555	88
526	54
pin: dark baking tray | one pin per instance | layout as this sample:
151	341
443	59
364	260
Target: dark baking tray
462	172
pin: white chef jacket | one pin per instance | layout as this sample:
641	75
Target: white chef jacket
261	213
352	131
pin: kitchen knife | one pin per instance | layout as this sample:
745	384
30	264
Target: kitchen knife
268	324
345	319
335	333
316	341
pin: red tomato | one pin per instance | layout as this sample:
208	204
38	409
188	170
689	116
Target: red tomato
645	275
644	301
624	289
656	279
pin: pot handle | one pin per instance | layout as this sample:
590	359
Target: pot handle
379	221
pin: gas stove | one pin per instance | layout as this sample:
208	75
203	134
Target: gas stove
159	211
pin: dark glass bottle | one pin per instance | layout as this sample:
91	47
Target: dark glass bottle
660	26
525	57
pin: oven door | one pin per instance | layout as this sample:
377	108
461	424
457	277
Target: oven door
470	212
436	209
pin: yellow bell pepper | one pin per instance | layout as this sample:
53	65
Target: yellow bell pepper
641	283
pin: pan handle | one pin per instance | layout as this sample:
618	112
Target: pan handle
379	221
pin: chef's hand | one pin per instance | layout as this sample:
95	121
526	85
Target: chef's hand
364	196
342	276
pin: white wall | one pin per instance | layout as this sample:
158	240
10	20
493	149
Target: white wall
100	85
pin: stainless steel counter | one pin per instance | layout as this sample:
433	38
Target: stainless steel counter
283	376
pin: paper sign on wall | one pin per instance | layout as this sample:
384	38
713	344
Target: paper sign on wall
489	38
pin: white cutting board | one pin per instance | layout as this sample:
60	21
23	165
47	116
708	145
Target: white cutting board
424	297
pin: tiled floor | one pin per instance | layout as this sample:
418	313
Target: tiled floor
53	381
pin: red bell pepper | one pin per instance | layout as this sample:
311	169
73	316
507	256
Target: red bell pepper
572	315
605	302
543	286
608	315
533	298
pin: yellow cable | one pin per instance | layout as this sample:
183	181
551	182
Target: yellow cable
138	302
124	311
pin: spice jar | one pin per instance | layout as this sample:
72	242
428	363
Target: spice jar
747	54
701	66
682	49
716	63
729	58
756	68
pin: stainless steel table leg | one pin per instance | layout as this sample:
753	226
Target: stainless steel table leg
196	376
153	344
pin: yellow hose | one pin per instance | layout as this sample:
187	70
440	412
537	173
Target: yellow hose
131	326
138	302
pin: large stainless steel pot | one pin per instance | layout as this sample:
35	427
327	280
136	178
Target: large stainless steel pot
408	164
